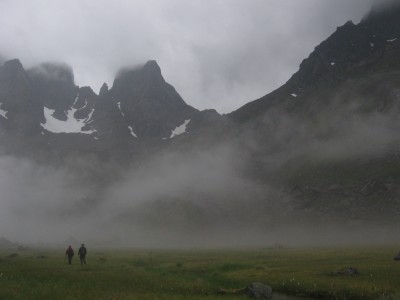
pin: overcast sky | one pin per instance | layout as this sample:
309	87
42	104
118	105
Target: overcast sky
218	54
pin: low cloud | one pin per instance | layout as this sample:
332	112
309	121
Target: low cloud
218	55
192	198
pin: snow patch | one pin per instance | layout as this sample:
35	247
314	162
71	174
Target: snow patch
293	95
86	104
391	41
132	133
89	120
76	100
71	125
180	129
332	63
372	45
119	107
3	112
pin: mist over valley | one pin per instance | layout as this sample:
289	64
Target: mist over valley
315	162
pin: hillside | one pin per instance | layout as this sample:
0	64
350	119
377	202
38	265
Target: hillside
322	150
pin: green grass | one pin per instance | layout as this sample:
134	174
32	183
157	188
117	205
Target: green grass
142	274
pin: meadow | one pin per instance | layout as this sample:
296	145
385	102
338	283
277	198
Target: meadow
198	274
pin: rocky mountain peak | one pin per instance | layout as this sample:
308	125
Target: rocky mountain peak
383	7
149	104
13	71
383	20
19	100
54	85
353	49
103	89
54	72
13	66
148	74
151	66
13	79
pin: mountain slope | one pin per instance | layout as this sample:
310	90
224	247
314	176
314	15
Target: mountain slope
330	134
140	108
151	106
323	149
368	48
21	108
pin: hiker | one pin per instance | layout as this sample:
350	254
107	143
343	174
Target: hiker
82	254
70	253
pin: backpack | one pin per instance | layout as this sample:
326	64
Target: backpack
70	252
82	251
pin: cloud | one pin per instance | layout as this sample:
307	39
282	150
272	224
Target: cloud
33	199
218	54
221	195
172	199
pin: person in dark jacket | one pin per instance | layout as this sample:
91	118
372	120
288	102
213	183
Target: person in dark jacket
69	253
82	254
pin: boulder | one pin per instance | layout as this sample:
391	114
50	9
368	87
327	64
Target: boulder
259	290
255	290
348	271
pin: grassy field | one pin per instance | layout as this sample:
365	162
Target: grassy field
197	274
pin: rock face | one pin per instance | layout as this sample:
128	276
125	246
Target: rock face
351	51
43	104
348	84
327	140
22	109
55	87
149	105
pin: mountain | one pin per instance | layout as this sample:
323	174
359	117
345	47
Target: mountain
151	106
361	50
321	149
54	85
21	109
329	134
141	108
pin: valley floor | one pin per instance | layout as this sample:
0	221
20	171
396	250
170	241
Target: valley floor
198	274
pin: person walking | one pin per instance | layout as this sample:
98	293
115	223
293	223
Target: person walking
82	254
69	253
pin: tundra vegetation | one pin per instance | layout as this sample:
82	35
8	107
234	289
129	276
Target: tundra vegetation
199	274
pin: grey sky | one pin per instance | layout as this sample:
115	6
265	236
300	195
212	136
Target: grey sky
217	53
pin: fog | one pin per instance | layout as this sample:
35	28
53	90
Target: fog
200	198
218	54
53	71
50	204
237	192
344	135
